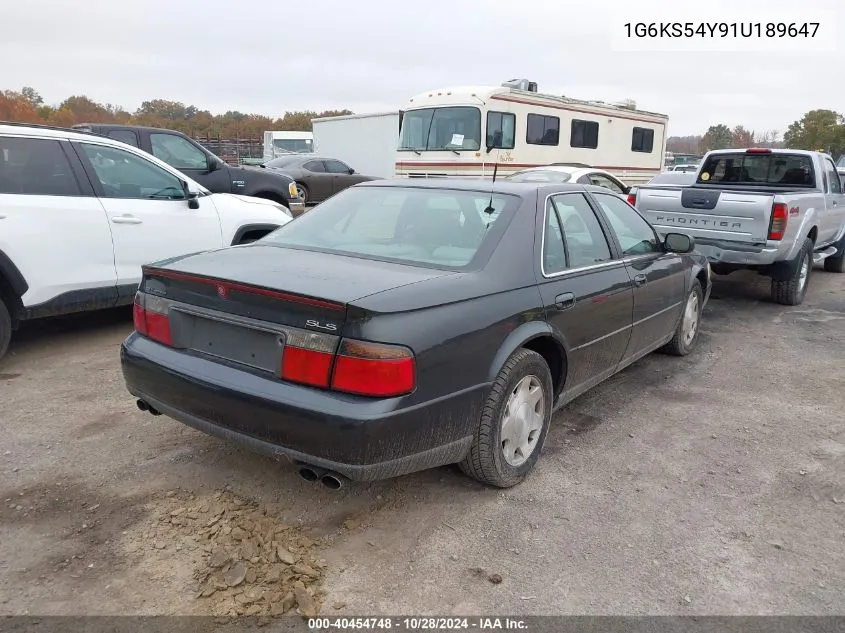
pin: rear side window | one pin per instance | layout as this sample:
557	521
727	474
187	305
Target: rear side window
36	167
793	170
642	140
315	166
542	130
584	134
125	136
442	228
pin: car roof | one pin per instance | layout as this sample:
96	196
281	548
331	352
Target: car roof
45	131
121	126
480	185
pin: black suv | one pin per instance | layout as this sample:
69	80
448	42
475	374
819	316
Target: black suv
196	162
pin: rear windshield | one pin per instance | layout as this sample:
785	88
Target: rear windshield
794	170
540	175
443	228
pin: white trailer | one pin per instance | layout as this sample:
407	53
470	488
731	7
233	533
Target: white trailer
278	143
365	142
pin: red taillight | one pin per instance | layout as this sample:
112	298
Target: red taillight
758	150
632	199
374	369
307	358
780	215
151	318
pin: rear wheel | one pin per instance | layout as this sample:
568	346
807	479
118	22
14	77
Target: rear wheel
302	192
686	334
791	291
514	422
836	263
5	328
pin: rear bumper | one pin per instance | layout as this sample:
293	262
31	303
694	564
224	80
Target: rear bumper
718	252
363	439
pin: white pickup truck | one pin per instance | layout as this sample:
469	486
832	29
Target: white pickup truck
771	210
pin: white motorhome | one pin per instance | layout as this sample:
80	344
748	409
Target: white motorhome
469	130
365	142
284	142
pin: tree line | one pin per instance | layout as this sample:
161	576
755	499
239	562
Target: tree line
816	130
27	106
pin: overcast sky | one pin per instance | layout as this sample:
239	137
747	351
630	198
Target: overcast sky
270	56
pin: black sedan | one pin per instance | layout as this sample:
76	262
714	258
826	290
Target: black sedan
403	325
316	177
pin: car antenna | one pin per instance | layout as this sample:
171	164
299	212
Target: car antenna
489	210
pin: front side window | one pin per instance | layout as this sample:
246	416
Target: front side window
501	130
542	130
126	175
177	151
435	227
447	128
635	235
834	178
600	180
36	167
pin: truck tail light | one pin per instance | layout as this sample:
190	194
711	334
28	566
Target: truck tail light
632	199
780	215
374	369
307	358
150	316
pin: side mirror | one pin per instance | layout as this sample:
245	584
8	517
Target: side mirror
494	140
351	171
213	163
190	196
679	243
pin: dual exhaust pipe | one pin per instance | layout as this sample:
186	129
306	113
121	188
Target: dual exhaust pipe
331	480
145	406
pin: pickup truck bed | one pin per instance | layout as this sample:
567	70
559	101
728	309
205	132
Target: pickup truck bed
774	211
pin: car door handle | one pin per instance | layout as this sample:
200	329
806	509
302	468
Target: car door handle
564	301
126	219
640	279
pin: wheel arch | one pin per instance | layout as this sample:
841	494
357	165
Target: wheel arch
539	337
252	228
12	287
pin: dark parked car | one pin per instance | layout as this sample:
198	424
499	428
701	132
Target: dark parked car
401	326
317	177
196	162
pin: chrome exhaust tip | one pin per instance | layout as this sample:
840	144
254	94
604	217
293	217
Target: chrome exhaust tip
333	481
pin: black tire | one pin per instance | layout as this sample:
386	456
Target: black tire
681	344
5	328
304	194
791	292
486	460
836	263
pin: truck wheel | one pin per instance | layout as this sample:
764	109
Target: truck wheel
514	422
686	334
791	292
5	328
836	263
302	192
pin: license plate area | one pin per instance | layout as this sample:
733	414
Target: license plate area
234	342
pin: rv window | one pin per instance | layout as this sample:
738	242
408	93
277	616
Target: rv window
584	134
642	140
542	130
501	130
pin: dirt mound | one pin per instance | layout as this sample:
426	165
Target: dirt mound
253	564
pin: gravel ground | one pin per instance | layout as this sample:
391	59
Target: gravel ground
713	484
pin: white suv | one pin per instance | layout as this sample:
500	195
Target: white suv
80	214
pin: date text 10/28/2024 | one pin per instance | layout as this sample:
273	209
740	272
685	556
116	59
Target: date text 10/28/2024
417	624
721	29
